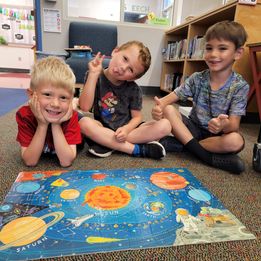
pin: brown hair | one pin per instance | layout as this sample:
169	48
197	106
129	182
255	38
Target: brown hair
52	70
144	54
227	30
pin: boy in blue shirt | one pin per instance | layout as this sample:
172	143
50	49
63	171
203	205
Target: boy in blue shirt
211	132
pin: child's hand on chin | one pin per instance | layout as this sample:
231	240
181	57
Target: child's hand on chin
36	109
67	115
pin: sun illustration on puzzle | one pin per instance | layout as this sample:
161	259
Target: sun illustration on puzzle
107	197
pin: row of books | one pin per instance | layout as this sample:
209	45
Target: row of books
177	50
172	81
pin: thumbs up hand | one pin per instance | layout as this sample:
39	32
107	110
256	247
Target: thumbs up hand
222	116
216	125
157	110
157	101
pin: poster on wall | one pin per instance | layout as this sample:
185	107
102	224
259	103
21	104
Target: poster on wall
52	20
17	25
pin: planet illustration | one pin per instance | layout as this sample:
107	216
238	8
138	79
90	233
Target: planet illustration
131	186
25	230
6	208
70	194
27	187
199	195
168	180
99	176
107	198
155	208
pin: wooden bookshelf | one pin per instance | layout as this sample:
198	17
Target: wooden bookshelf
247	15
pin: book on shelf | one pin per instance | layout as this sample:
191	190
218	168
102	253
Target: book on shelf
168	50
172	81
176	80
196	47
172	52
184	49
168	82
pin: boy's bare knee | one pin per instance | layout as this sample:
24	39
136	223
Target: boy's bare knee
86	124
235	142
65	164
170	111
31	164
165	127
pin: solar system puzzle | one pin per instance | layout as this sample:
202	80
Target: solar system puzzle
63	213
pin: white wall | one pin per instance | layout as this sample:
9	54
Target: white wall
17	3
110	9
16	57
198	7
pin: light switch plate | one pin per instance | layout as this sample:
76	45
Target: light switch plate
247	2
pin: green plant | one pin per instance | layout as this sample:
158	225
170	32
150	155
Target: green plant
2	40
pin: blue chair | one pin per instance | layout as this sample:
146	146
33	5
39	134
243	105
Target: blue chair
100	37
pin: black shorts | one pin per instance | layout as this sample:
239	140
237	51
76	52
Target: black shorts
200	134
197	132
80	115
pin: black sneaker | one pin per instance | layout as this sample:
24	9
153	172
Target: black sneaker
228	162
97	149
152	150
171	144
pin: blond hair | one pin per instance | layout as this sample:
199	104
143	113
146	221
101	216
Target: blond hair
144	54
52	70
229	31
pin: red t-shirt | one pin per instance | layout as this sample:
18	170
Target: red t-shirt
27	125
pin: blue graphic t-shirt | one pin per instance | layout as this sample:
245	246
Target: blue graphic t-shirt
230	99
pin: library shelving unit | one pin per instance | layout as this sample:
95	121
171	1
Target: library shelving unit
247	15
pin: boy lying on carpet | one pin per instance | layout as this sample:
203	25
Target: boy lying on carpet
211	132
49	124
117	102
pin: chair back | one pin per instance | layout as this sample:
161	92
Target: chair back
100	37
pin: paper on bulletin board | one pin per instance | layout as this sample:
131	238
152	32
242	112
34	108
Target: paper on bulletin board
52	20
